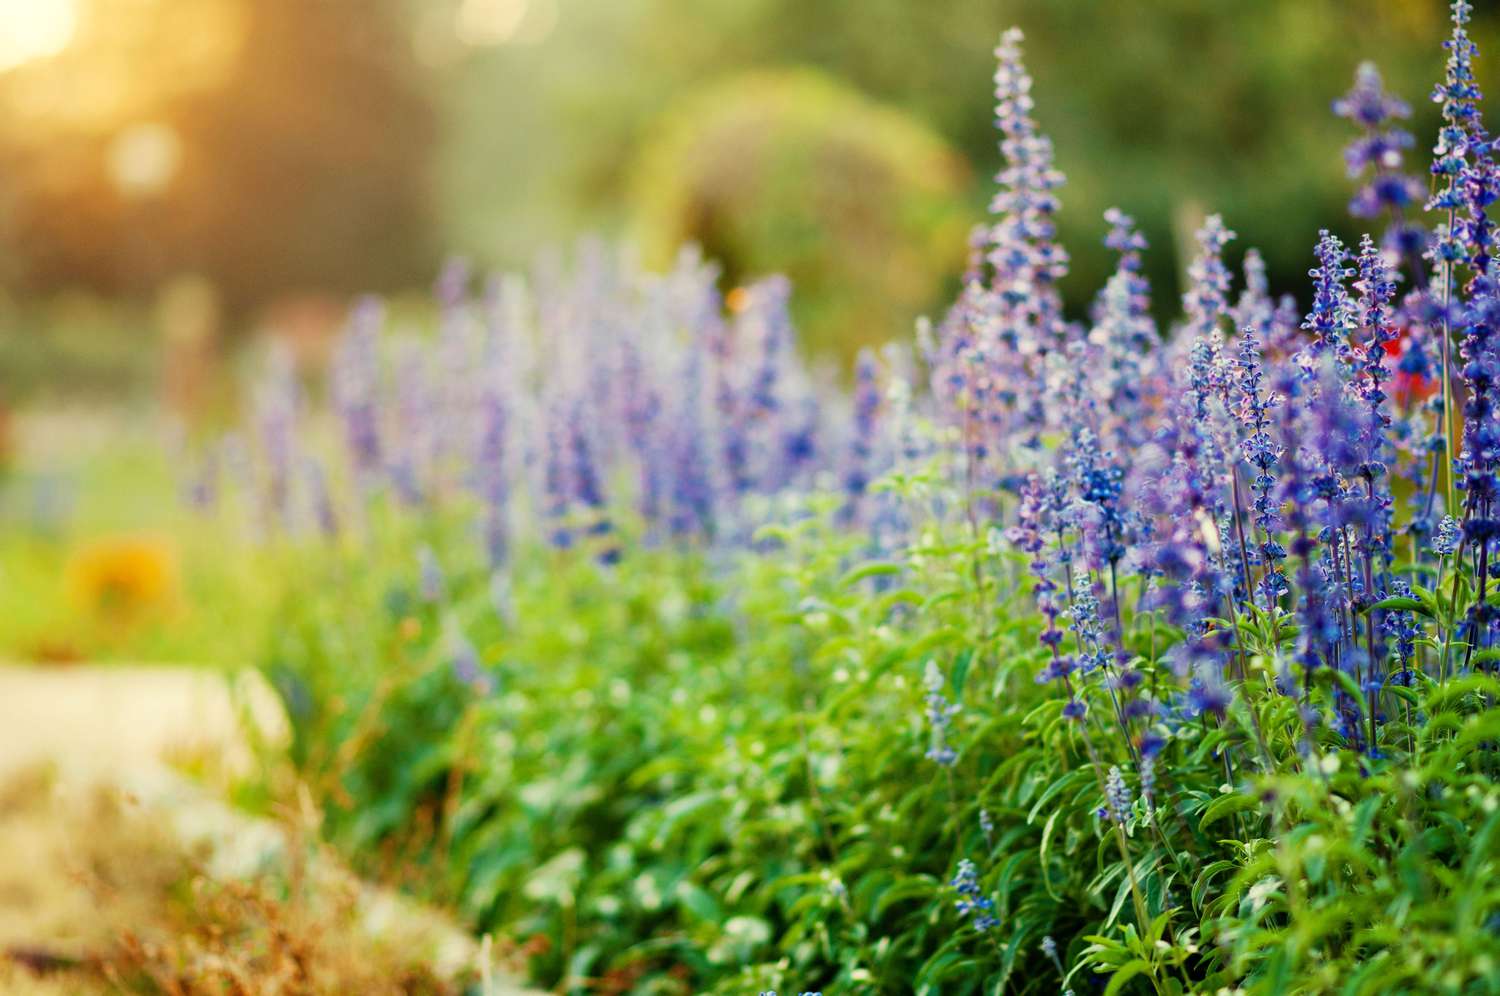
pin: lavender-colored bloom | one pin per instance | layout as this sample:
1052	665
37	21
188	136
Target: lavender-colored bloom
1375	157
1206	304
1331	313
1458	138
1207	695
356	388
1085	623
1126	335
692	492
1257	446
1402	628
1255	308
557	481
1026	263
467	669
1376	290
491	472
1147	768
320	499
278	402
1117	795
1445	539
1206	299
862	444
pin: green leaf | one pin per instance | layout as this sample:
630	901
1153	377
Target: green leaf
1046	846
1400	603
1124	974
874	569
1226	805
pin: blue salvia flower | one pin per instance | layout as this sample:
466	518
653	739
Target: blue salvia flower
1116	795
732	415
455	359
319	498
1100	483
862	441
800	438
1375	158
1401	628
1206	304
1186	558
770	308
1376	290
1025	261
1319	632
1029	536
588	491
1459	96
1255	308
1207	694
1206	299
467	669
1258	448
356	389
491	473
1086	624
1331	313
588	488
971	899
1126	332
410	458
1147	770
1445	539
940	713
1049	950
692	491
642	415
1009	319
278	402
557	480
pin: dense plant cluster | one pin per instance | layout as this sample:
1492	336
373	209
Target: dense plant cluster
602	391
1062	656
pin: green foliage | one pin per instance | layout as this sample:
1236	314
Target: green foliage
706	773
85	483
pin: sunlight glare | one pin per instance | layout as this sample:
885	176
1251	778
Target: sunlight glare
35	29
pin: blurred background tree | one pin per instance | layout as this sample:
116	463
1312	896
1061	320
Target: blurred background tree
273	145
267	148
861	205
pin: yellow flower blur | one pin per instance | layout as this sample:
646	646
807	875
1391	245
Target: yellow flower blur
123	578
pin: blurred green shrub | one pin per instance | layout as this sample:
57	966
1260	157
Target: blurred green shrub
75	347
790	171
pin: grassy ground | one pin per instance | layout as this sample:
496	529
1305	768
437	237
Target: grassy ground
100	559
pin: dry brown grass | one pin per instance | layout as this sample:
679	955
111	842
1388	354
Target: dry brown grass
96	897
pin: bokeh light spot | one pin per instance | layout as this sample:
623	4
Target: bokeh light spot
144	158
35	29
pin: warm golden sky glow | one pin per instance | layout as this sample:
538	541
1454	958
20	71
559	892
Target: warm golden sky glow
118	63
35	29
